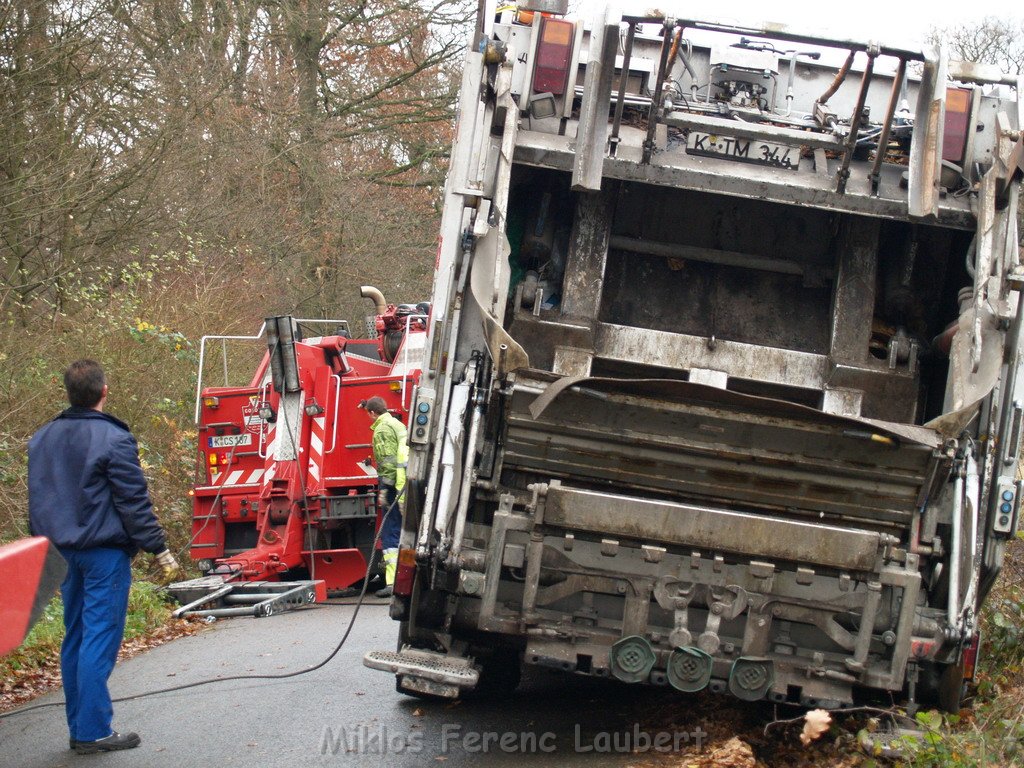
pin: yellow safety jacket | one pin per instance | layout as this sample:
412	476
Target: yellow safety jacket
390	450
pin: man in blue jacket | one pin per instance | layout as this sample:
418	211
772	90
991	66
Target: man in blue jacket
88	495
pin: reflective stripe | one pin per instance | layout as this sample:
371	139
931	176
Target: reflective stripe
390	565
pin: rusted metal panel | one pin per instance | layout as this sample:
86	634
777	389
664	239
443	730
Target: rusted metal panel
926	145
745	452
745	361
540	338
753	131
712	529
854	304
592	134
588	252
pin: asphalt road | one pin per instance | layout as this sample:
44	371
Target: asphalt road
344	714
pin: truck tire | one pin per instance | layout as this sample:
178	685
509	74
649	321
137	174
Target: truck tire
942	686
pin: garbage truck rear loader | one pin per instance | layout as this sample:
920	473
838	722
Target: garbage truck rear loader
722	381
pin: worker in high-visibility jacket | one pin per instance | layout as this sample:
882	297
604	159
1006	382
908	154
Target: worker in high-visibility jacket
391	455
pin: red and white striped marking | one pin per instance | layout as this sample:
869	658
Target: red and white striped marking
237	477
271	452
316	447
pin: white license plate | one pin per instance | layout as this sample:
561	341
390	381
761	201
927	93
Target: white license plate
743	150
230	441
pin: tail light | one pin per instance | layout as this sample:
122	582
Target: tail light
554	52
405	574
957	124
971	656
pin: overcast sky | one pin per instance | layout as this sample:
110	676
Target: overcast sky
884	21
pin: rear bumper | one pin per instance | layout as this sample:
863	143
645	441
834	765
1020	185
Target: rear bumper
765	607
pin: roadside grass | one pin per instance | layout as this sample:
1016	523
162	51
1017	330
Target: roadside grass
148	611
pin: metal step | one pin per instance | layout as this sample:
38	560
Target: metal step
428	665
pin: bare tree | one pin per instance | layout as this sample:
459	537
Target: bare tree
991	41
77	148
364	74
298	130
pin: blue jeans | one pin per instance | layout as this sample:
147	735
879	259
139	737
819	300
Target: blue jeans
95	594
391	530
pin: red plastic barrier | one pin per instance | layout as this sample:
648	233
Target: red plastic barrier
30	572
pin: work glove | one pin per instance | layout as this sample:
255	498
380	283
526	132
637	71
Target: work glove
168	565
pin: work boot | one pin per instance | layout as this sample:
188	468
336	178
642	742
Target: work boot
388	591
111	743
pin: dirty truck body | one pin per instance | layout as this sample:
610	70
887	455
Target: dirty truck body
721	384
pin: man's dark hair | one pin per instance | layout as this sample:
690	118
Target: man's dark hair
84	382
376	405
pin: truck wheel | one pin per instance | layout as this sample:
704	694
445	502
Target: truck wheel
501	671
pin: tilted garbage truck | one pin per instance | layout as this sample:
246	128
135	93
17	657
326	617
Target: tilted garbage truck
722	380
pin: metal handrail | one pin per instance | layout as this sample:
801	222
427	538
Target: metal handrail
202	359
890	113
843	174
405	350
337	400
259	334
782	33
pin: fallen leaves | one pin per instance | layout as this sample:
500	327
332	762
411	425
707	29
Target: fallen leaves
735	753
174	629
